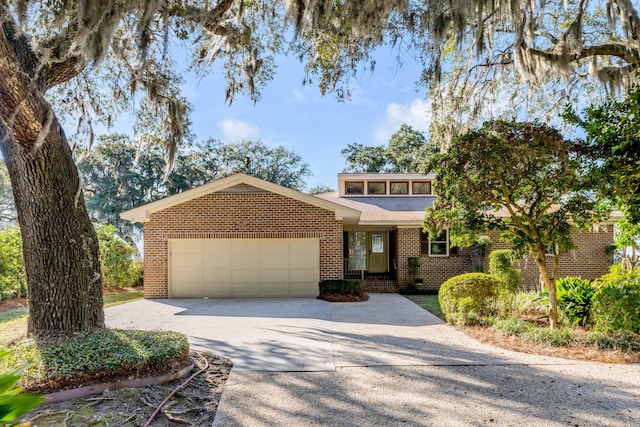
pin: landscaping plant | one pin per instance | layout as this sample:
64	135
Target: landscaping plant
119	264
574	299
466	298
12	402
616	304
13	281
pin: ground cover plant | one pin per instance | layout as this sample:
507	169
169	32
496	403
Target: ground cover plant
91	357
598	320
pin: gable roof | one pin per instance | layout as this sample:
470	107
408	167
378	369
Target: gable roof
238	183
378	210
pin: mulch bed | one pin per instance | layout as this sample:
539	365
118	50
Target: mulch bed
572	351
344	298
194	405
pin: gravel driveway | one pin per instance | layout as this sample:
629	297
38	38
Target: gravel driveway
384	362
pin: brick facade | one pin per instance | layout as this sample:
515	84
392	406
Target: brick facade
238	216
590	260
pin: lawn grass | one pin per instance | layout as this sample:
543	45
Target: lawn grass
13	323
109	301
122	298
427	302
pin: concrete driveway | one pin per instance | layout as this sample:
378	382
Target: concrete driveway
384	362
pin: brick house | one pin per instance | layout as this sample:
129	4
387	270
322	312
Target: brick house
244	237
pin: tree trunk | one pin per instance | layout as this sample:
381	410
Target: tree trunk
60	245
549	285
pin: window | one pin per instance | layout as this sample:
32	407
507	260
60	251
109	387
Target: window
377	188
552	249
399	188
422	187
354	188
436	245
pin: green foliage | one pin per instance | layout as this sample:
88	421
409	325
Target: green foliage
95	356
13	280
414	265
501	265
120	267
528	303
320	189
574	299
407	151
521	179
467	297
13	403
616	303
342	287
613	138
627	242
119	177
614	340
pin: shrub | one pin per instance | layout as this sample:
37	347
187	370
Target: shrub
528	303
12	402
342	287
574	299
13	280
511	326
546	336
616	304
501	265
120	268
470	295
412	290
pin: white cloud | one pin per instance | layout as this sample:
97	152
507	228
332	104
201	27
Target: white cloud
416	114
238	130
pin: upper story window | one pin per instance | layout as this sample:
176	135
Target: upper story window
354	187
421	187
377	188
399	188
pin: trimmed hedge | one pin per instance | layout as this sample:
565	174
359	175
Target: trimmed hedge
466	298
417	291
342	287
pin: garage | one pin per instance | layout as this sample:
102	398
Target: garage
236	268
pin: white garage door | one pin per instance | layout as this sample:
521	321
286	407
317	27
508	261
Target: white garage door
220	268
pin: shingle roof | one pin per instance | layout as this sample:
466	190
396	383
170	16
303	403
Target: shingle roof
384	210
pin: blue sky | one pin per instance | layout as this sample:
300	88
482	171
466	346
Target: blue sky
300	119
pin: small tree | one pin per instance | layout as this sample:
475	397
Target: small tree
627	242
521	179
120	268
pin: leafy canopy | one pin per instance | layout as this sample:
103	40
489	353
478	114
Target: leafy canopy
407	149
120	175
522	179
613	139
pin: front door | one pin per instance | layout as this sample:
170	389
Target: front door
378	254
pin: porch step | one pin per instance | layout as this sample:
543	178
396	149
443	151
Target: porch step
380	284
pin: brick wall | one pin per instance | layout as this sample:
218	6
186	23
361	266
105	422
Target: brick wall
589	260
238	216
